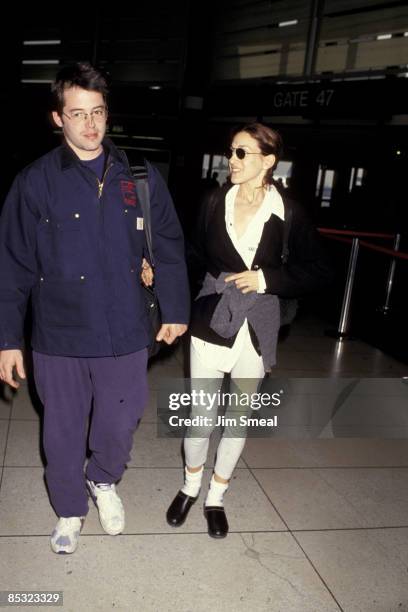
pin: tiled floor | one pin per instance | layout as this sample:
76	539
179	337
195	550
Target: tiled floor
316	524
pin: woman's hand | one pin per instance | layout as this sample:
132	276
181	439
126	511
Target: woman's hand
147	275
245	281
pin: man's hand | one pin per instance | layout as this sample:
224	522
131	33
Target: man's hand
8	360
170	331
147	274
245	281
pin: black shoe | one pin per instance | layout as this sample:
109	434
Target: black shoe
216	521
179	508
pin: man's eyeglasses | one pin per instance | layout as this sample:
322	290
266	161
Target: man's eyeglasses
239	152
98	114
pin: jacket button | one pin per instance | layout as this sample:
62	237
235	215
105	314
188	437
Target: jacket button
41	279
256	267
126	211
82	277
76	215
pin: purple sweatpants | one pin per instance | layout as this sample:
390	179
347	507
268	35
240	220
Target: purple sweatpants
67	386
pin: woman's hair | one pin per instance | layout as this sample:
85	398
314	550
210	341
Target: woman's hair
83	75
269	142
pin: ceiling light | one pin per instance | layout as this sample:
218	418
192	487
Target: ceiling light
39	62
32	43
284	24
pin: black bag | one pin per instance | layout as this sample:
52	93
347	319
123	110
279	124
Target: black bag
155	320
288	306
288	310
139	173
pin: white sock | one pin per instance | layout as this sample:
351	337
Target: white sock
192	482
216	493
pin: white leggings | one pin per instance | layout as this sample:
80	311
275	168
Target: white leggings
249	365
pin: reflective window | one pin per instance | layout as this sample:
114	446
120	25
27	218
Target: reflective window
324	186
283	172
215	167
356	178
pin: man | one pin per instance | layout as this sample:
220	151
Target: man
71	235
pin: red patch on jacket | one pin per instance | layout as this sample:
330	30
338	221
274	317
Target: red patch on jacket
128	189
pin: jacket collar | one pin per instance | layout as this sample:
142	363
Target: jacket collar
69	158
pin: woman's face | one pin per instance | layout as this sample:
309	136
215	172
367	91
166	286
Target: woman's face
253	166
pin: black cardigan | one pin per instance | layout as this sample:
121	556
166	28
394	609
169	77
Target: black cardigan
306	270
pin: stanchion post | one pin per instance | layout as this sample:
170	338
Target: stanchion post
344	323
391	273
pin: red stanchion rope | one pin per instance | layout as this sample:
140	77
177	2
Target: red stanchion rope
330	230
369	245
375	247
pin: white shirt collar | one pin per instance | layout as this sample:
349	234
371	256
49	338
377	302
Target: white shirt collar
272	204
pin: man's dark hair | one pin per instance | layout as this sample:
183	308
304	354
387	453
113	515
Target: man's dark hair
81	74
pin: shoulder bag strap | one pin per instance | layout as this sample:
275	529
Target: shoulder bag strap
139	173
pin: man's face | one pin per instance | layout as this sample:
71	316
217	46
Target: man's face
83	131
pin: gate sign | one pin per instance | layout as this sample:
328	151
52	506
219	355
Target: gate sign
380	98
302	98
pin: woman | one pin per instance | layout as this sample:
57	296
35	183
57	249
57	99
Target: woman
235	319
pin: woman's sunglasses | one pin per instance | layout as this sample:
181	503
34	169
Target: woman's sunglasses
239	152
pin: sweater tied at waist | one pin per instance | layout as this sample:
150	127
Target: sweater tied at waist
261	310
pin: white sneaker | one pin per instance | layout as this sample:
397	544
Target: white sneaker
64	538
110	507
